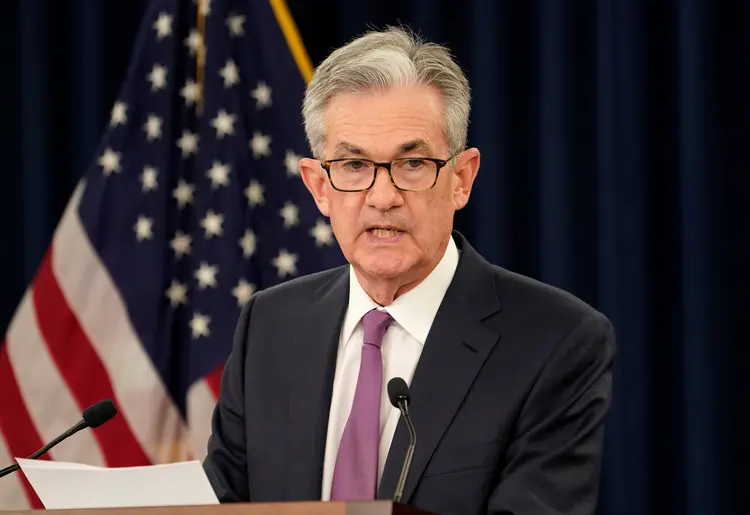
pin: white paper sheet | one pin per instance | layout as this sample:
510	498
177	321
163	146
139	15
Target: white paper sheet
62	485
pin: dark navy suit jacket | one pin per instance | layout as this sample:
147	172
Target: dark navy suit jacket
509	397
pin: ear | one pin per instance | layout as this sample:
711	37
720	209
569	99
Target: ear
316	181
467	167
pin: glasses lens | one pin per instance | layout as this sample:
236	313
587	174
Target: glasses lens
352	174
409	174
414	173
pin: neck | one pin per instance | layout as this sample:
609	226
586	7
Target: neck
385	290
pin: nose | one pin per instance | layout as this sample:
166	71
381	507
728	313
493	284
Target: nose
383	195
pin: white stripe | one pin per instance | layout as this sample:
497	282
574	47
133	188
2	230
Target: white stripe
12	494
48	399
90	292
200	405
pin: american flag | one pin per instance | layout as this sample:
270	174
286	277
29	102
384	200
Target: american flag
192	202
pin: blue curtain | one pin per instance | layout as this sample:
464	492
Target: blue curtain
614	139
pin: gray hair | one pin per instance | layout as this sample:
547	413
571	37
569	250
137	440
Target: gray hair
381	59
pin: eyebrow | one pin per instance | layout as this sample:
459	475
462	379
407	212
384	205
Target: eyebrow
346	148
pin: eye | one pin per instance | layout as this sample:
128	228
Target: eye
355	164
413	164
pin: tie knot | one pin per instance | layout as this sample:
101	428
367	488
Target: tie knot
376	323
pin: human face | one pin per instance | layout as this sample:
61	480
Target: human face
387	234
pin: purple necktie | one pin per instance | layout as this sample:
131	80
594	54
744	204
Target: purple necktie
355	476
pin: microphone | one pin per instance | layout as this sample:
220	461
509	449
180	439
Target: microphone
93	416
398	393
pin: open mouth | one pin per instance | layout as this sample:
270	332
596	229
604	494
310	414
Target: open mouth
384	232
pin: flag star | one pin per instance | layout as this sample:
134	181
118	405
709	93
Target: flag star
110	161
183	193
148	178
322	233
188	142
260	144
262	95
157	77
119	114
206	275
181	243
291	161
163	25
230	73
286	263
199	325
152	127
144	228
254	194
212	224
248	242
224	124
190	92
177	293
194	42
234	23
243	291
290	214
219	175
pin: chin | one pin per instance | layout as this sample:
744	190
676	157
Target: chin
381	266
386	260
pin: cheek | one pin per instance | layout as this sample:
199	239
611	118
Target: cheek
345	216
434	216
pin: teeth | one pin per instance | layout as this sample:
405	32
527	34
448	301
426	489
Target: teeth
384	233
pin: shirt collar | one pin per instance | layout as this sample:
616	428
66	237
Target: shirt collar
415	310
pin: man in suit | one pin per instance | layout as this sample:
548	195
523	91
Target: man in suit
510	379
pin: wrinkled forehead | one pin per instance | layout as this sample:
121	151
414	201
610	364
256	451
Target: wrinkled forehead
385	124
418	145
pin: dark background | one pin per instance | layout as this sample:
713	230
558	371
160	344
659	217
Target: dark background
614	139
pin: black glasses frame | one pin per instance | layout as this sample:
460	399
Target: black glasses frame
387	166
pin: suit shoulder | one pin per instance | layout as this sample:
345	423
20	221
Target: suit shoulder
541	321
300	288
532	299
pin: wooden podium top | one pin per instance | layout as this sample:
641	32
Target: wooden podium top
383	507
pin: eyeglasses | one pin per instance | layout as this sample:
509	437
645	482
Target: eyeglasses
407	174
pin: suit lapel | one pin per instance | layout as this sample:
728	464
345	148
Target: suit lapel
312	354
455	350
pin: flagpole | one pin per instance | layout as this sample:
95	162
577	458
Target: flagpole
200	54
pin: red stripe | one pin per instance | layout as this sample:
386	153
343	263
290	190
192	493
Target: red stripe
16	425
213	380
81	367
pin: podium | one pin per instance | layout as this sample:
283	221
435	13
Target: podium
382	507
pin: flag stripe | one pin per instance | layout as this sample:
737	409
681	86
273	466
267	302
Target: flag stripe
11	487
47	397
201	402
213	380
202	398
89	291
81	366
16	425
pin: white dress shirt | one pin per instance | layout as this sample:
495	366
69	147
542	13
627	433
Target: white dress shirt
412	315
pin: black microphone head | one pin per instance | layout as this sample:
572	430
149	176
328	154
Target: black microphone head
398	391
97	414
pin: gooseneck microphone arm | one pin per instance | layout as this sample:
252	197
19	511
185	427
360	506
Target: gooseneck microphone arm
70	432
404	407
93	416
398	393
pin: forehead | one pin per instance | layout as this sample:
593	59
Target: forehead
380	124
